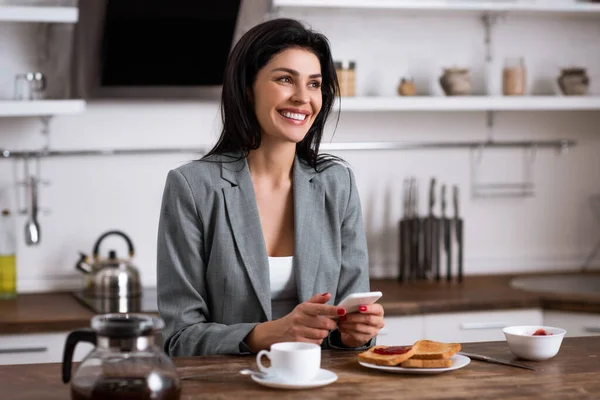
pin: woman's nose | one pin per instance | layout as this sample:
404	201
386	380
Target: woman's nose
300	96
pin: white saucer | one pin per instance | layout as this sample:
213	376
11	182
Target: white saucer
324	377
458	361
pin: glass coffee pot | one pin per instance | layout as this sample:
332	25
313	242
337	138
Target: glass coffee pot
125	364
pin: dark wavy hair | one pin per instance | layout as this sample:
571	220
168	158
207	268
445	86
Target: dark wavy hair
241	131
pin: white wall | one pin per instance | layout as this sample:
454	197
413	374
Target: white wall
554	230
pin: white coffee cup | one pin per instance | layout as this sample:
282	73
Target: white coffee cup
292	361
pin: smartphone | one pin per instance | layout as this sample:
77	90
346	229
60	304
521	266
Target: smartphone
353	301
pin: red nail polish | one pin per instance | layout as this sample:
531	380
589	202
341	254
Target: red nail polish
325	294
343	318
341	311
362	308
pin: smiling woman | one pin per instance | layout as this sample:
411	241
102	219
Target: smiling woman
259	238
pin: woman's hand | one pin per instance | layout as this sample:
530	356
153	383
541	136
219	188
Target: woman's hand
309	322
358	328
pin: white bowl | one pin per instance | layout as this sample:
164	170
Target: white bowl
522	343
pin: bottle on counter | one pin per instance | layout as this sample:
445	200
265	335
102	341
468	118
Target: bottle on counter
514	77
8	256
346	74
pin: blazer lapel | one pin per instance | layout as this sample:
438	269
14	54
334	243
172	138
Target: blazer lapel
242	210
309	203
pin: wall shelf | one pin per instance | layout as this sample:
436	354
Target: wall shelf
470	103
576	8
33	108
67	15
557	144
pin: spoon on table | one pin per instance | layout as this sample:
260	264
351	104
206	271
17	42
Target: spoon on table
245	371
257	374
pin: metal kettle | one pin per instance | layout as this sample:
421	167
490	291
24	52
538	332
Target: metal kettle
111	277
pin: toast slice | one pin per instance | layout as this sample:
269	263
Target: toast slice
431	350
412	363
390	360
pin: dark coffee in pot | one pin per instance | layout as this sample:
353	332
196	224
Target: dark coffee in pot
127	388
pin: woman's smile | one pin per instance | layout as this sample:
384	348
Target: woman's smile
294	115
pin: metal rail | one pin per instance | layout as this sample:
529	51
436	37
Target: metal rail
339	146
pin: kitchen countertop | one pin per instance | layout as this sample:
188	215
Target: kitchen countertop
54	312
572	374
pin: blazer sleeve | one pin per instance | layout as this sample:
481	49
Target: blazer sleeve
181	286
354	273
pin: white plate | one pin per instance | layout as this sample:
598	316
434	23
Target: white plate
324	377
458	361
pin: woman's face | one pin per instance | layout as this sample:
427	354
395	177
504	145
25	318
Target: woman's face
287	95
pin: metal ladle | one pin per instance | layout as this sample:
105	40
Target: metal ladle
32	227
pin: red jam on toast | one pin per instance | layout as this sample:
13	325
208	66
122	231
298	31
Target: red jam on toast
392	350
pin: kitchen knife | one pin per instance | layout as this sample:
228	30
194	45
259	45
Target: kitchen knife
429	233
440	234
447	236
417	247
458	230
404	239
495	360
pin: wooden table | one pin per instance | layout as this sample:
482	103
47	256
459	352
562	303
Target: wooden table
573	374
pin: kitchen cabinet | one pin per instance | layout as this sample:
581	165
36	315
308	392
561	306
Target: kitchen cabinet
463	327
57	23
38	348
476	326
401	330
575	323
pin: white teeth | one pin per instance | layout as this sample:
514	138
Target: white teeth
296	116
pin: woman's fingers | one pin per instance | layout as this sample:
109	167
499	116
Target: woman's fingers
322	310
358	329
373	309
303	332
363	319
315	322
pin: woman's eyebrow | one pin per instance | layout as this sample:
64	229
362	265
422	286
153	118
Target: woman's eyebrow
295	73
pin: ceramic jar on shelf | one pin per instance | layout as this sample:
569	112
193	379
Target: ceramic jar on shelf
346	74
514	77
406	87
456	82
573	81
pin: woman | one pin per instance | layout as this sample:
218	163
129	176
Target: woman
259	238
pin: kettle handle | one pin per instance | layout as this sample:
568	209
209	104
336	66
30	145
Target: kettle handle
80	335
124	236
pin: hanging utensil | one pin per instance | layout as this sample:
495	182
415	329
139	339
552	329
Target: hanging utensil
32	226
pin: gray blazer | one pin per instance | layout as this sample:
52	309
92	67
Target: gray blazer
213	276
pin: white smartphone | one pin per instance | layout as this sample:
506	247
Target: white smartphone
353	301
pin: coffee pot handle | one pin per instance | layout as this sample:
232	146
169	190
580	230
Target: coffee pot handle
80	335
124	236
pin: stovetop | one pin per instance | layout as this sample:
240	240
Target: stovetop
146	303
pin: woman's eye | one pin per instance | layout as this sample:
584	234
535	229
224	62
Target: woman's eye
315	84
285	79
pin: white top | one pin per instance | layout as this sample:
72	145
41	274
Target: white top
284	296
